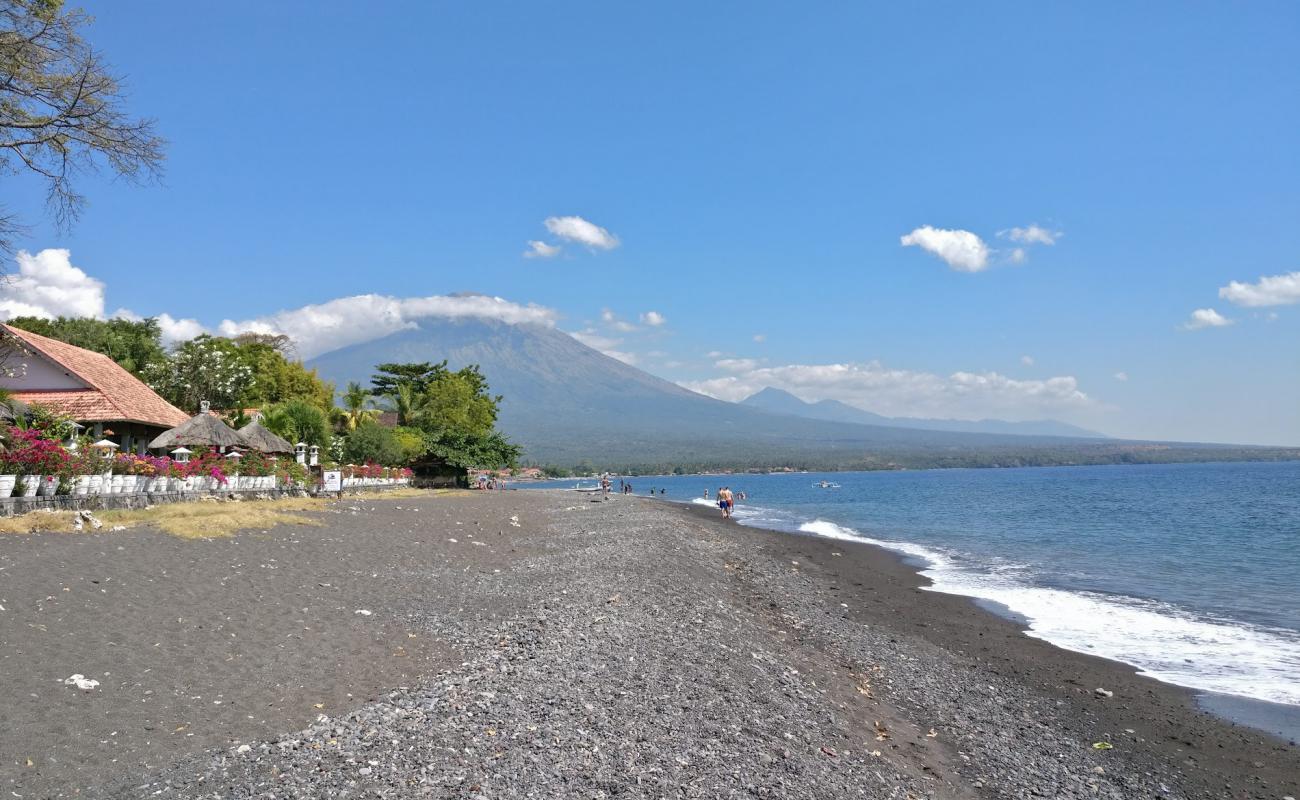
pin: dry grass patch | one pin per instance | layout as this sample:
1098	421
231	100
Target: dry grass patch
37	522
197	520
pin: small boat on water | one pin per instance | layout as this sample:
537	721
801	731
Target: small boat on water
578	487
826	485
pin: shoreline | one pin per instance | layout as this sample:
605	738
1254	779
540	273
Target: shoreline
962	624
1278	720
543	644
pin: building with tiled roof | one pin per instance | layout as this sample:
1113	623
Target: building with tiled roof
89	387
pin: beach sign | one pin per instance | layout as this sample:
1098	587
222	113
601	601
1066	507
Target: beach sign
333	480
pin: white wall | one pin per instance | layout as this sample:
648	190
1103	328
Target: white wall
43	375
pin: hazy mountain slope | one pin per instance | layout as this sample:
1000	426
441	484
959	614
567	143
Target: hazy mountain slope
782	402
567	402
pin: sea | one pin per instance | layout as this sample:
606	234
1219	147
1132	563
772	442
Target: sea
1188	572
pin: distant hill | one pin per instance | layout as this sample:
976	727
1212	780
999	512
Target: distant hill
570	405
782	402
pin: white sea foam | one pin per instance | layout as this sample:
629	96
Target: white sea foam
1161	640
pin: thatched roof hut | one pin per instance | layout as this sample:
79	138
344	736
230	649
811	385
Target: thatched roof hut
257	437
201	430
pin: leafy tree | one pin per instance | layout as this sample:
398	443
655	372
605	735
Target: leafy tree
136	345
411	440
371	442
461	449
205	368
388	377
458	401
61	111
298	420
277	376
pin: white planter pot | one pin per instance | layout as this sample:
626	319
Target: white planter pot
157	484
49	485
187	485
140	483
106	484
96	485
119	484
31	485
175	484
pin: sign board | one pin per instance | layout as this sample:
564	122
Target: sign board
333	480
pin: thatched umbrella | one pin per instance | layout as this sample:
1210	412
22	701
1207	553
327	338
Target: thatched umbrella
201	430
257	437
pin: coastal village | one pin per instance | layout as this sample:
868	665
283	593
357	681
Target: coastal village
82	432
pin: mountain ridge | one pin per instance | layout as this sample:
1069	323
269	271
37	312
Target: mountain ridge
572	406
781	401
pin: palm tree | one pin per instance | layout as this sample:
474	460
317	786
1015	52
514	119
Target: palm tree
355	411
406	402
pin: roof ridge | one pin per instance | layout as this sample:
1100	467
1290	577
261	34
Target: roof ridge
43	347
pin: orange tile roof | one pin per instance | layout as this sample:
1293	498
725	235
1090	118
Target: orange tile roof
115	394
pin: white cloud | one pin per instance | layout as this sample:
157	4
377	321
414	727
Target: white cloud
1031	234
736	364
611	319
896	392
714	354
173	330
1028	361
577	229
653	318
1271	290
179	330
1121	376
323	327
537	249
1206	318
961	250
760	337
48	285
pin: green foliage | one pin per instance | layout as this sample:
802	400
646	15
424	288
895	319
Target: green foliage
298	421
251	370
372	443
411	440
388	377
357	409
462	449
276	376
134	345
459	402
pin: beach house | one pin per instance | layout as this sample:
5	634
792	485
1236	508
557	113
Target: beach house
89	387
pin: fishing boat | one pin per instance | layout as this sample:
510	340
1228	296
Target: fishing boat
826	485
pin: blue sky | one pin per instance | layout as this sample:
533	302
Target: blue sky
759	165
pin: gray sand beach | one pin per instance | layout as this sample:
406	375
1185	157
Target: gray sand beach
542	644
